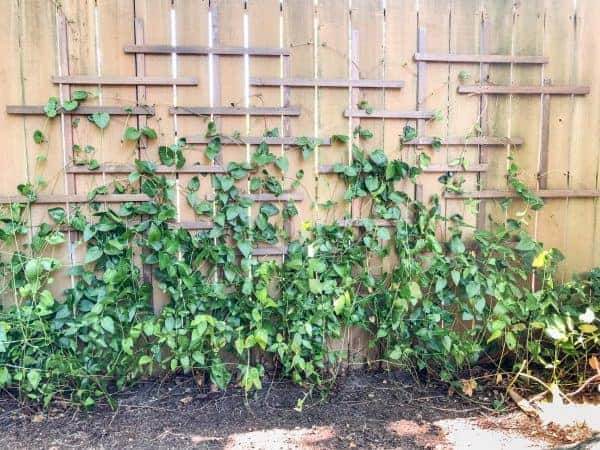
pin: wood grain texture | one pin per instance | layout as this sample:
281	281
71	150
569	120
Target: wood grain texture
288	141
549	193
463	140
340	83
201	50
480	58
124	81
38	110
380	114
524	90
235	111
122	169
75	198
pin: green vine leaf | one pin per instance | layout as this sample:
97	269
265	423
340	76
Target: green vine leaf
150	133
80	95
93	164
93	254
132	134
70	105
38	137
100	119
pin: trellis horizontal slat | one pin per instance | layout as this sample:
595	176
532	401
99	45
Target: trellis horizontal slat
75	198
199	50
524	90
269	251
342	83
462	140
443	168
484	59
358	222
84	110
548	193
434	168
123	168
234	111
380	114
125	81
264	197
194	225
252	140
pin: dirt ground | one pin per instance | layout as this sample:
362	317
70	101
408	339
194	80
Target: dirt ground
365	410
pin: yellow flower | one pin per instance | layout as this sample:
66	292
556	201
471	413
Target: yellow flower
307	225
541	259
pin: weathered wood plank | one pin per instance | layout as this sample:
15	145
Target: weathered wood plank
289	141
123	168
330	83
235	110
480	58
38	110
548	193
464	140
124	80
524	90
75	198
380	114
201	50
264	197
434	168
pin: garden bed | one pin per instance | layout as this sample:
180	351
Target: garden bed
365	410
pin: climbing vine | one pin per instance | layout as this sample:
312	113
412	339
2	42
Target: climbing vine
449	301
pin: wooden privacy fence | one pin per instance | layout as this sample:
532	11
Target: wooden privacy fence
481	79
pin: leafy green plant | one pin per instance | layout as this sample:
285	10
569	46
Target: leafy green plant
448	303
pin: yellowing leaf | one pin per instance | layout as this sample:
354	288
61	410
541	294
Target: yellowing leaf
588	328
469	386
540	260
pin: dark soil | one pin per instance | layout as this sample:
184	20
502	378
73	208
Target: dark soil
366	410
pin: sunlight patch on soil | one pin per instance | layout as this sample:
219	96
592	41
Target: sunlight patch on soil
465	433
277	438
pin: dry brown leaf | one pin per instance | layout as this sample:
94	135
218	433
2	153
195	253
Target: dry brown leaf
469	386
522	403
594	364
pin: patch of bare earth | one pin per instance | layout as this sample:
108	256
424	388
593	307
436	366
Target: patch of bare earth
372	410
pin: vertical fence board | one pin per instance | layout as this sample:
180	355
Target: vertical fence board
18	141
333	63
263	32
115	20
231	34
156	18
83	60
583	165
298	35
559	47
400	46
526	110
192	29
498	32
463	112
434	17
45	162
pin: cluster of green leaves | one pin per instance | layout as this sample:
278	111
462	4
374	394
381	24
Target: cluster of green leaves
524	193
445	303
